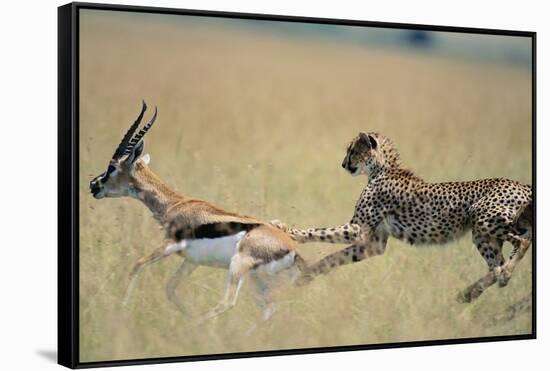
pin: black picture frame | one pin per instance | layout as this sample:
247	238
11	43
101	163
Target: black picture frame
68	168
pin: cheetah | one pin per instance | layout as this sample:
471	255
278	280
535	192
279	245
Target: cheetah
397	203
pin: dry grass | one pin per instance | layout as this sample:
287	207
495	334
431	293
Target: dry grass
259	125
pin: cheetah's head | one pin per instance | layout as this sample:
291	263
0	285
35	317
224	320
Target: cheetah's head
361	151
371	154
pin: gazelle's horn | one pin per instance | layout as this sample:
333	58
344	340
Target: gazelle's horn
126	138
139	136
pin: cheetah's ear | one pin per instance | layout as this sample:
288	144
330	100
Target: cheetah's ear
368	140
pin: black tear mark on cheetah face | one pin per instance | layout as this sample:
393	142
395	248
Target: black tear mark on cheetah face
360	152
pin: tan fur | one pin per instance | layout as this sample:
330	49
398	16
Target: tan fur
262	244
259	246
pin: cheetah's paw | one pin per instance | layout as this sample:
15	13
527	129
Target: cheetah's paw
503	276
279	225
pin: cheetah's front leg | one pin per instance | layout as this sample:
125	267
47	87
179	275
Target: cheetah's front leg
370	246
345	233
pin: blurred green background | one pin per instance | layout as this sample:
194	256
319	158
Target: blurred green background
255	117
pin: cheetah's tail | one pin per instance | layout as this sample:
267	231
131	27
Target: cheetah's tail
525	215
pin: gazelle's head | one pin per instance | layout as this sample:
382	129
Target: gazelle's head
116	181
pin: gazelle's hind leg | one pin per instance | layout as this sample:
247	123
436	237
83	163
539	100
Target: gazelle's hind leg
184	269
143	262
262	292
239	267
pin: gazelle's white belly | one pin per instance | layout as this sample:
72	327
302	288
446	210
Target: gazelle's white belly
279	270
276	266
213	252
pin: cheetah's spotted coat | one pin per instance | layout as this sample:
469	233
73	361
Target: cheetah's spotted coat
397	203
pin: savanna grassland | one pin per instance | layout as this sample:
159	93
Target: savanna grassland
258	123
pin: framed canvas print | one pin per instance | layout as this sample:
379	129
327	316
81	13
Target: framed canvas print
237	185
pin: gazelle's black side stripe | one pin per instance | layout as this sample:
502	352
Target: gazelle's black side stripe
213	230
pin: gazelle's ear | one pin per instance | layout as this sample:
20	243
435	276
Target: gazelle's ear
145	158
137	150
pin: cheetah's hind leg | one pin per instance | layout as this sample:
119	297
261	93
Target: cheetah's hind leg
504	272
491	251
473	291
501	273
520	237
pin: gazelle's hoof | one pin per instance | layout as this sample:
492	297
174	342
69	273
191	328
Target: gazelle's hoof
279	225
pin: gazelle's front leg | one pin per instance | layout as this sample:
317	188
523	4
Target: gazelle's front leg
143	262
263	294
371	245
184	269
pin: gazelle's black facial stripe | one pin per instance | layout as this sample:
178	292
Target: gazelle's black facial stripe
105	176
97	182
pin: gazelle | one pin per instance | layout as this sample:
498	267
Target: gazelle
198	231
